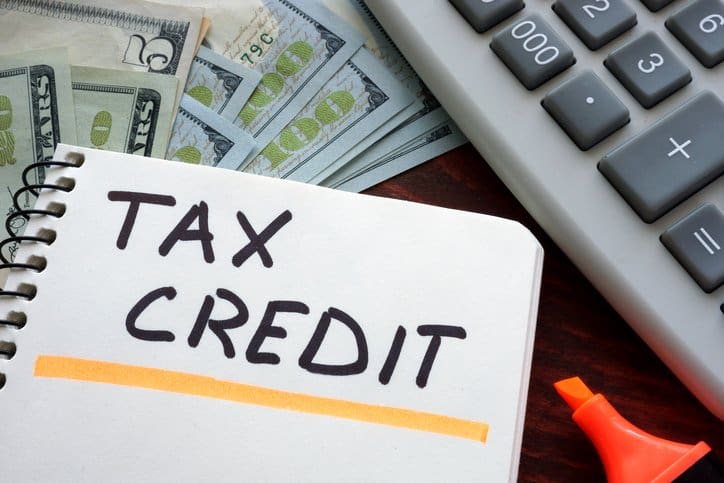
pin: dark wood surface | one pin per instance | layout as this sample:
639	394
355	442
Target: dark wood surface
578	333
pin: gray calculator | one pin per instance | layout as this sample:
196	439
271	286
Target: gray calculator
605	118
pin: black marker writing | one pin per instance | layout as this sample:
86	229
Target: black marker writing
219	327
134	200
141	305
306	360
182	232
437	332
393	355
266	329
257	241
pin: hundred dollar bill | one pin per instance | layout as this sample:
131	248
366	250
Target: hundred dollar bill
296	45
383	148
358	99
200	136
376	40
127	112
220	84
429	113
129	35
36	113
432	144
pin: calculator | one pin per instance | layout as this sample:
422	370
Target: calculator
605	118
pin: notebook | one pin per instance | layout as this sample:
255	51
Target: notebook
204	325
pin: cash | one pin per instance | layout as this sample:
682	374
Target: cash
424	115
220	84
36	113
200	136
129	35
433	143
296	46
354	103
128	112
309	90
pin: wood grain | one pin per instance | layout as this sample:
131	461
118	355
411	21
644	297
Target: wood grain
578	333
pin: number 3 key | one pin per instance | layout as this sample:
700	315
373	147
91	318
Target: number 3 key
648	69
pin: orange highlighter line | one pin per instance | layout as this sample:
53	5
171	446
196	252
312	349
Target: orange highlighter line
185	383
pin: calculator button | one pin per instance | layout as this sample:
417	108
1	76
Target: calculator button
532	50
700	27
484	14
671	160
697	242
656	5
596	22
648	69
586	109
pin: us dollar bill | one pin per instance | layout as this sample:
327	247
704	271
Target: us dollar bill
416	128
129	35
431	144
387	146
376	40
296	46
123	111
220	84
36	113
200	136
355	102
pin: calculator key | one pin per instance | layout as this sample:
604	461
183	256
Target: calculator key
697	242
648	69
670	161
532	50
700	27
596	22
484	14
656	5
586	109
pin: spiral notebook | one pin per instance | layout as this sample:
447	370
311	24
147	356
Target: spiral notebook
175	323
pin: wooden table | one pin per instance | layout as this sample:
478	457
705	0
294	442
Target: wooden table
578	334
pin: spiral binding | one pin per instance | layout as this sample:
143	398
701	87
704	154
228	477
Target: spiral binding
15	319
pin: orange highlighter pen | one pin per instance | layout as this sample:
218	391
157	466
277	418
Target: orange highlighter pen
630	455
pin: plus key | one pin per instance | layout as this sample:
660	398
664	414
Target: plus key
670	161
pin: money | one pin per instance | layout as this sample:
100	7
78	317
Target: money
127	112
200	136
36	113
203	30
385	147
376	40
220	84
429	113
296	46
358	99
128	35
431	144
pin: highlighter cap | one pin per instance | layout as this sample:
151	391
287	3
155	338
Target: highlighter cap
630	455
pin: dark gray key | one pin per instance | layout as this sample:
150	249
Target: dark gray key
697	242
648	69
596	22
532	50
586	109
700	27
656	5
671	160
484	14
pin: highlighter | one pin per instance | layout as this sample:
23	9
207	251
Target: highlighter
630	455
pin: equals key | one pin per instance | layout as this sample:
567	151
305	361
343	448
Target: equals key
697	242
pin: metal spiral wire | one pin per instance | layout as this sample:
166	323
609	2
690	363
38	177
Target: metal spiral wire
24	291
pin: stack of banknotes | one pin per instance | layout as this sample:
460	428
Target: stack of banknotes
309	90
